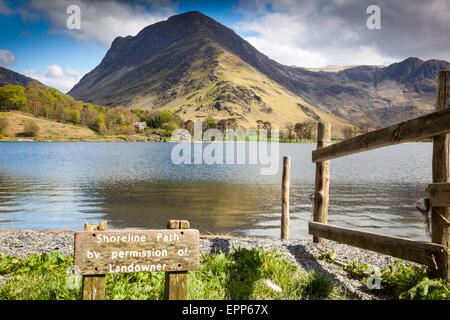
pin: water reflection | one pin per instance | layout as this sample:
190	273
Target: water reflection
135	185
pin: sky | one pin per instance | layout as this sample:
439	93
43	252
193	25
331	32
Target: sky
36	41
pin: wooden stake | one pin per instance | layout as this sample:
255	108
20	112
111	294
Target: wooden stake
94	287
322	184
285	198
176	283
441	173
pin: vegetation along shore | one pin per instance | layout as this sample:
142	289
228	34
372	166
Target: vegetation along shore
38	113
230	268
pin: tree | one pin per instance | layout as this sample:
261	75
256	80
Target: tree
222	125
289	127
268	126
157	119
170	126
189	126
100	125
348	132
12	97
75	116
298	129
232	123
308	129
209	123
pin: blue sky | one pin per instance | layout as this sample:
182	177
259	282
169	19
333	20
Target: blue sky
36	41
35	45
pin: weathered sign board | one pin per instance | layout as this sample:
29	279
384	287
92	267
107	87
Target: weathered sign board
126	251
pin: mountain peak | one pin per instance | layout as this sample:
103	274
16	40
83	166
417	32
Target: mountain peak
412	60
189	15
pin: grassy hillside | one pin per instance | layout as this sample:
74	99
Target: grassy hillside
49	103
219	85
49	130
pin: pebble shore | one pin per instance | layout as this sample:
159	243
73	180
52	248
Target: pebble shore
303	253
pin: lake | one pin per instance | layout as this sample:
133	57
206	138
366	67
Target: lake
61	185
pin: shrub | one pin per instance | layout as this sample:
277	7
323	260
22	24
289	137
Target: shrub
4	125
30	129
170	126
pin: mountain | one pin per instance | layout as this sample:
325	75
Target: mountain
10	77
196	67
408	87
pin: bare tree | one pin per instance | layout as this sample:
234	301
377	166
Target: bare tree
268	126
290	128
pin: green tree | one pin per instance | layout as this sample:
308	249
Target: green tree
12	97
75	116
209	123
100	125
170	126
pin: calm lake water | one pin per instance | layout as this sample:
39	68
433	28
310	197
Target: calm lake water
59	186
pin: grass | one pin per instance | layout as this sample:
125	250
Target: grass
399	280
239	275
51	130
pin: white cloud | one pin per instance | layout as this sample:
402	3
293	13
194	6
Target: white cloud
4	9
7	58
312	33
56	76
102	21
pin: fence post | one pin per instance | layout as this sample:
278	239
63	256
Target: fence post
322	182
285	198
94	286
176	283
440	217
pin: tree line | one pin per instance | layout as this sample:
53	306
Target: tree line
51	104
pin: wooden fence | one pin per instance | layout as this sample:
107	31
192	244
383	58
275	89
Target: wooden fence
434	254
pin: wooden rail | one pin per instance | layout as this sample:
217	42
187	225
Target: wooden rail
417	251
433	124
436	125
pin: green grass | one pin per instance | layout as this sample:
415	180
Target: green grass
242	274
399	280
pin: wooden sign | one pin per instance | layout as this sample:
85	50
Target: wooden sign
126	251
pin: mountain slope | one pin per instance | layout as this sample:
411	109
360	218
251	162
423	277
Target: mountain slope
408	87
10	77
